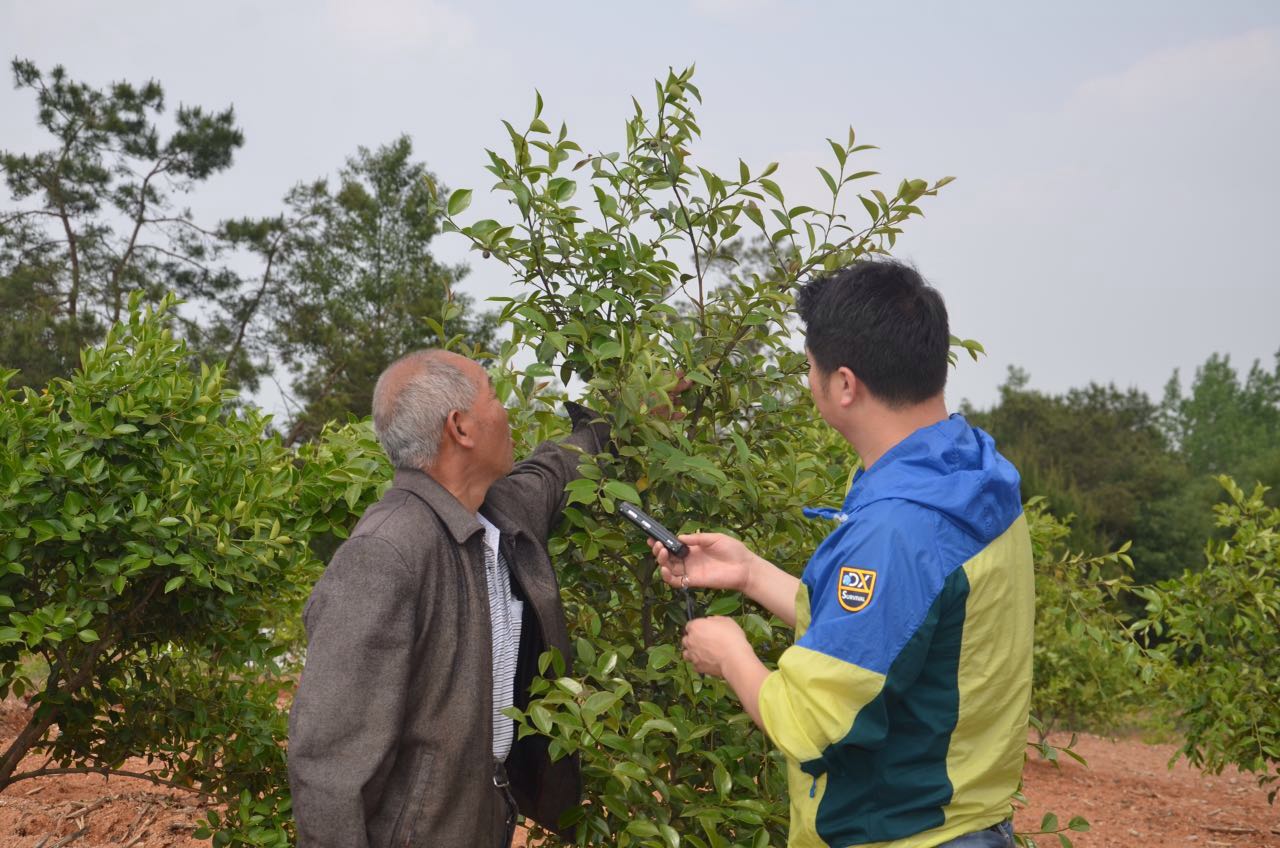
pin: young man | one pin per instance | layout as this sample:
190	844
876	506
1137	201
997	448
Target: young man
902	707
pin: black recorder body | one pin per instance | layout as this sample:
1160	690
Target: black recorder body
656	531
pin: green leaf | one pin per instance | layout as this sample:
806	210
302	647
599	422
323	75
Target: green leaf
174	583
641	828
459	201
622	491
723	782
661	656
599	702
772	188
570	685
828	179
658	724
88	635
724	605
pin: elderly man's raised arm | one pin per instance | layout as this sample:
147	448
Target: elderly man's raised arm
537	484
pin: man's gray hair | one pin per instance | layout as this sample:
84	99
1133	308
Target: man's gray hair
409	415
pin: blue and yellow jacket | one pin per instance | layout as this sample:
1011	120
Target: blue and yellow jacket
902	707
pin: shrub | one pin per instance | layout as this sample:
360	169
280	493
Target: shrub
647	279
1218	631
151	542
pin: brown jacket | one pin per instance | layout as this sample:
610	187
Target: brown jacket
391	730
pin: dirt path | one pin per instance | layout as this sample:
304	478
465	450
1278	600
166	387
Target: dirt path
1128	795
1131	798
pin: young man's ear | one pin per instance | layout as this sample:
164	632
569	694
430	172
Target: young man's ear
845	385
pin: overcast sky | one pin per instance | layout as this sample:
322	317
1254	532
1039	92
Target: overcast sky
1114	215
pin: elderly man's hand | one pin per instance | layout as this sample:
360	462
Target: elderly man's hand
668	407
711	643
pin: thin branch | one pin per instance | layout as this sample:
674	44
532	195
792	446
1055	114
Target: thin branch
73	299
139	219
262	289
18	216
186	223
697	262
171	254
108	772
289	402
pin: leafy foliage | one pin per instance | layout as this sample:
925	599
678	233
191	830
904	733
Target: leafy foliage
1085	663
622	296
345	262
151	541
1219	631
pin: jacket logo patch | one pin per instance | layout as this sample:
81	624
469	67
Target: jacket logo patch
855	587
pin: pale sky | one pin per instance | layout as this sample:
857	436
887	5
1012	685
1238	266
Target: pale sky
1114	213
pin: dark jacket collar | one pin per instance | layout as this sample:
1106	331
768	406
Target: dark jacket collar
462	524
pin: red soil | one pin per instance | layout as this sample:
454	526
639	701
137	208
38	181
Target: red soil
1127	793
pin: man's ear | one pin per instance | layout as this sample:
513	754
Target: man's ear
458	428
845	386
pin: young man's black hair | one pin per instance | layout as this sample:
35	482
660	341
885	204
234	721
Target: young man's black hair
883	322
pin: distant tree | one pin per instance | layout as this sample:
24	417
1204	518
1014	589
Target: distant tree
349	284
96	215
1225	425
1100	454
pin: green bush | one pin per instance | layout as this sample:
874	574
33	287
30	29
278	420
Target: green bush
1218	631
639	269
1085	663
152	540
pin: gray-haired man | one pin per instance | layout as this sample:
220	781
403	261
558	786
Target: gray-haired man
428	621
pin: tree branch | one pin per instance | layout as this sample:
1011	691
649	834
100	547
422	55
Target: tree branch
138	220
106	772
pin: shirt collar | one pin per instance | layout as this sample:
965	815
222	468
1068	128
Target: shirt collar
461	523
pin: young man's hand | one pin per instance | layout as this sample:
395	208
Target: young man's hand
712	644
714	561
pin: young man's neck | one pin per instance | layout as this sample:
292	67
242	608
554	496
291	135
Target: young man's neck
883	427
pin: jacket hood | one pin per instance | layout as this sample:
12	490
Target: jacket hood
950	467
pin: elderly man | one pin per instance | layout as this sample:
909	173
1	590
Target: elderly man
429	621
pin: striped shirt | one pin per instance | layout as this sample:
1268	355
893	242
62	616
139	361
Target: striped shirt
506	613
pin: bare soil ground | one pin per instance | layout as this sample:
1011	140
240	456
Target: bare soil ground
1127	793
1132	798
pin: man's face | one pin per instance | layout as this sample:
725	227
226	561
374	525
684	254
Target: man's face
818	387
494	448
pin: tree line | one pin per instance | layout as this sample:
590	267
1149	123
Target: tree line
326	291
1127	468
